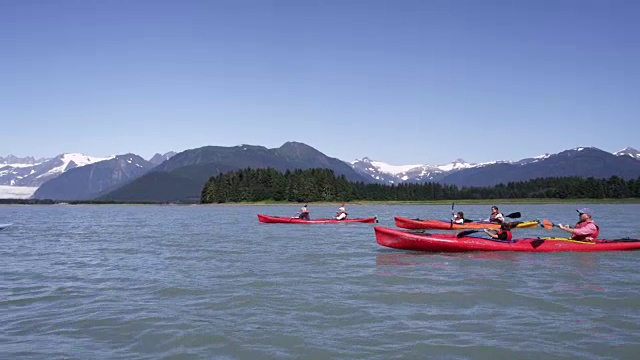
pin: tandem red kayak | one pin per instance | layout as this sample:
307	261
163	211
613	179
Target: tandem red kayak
402	239
416	224
287	220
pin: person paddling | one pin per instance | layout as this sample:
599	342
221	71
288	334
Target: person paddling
304	213
496	216
585	229
341	214
503	234
458	218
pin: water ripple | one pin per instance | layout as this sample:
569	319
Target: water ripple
175	282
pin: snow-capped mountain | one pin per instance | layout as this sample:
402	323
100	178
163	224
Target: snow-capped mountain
533	159
581	162
395	174
32	173
628	151
89	181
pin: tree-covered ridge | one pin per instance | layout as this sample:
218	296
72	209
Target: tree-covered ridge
322	185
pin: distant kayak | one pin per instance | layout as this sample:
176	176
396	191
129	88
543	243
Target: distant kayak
417	224
402	239
287	220
4	226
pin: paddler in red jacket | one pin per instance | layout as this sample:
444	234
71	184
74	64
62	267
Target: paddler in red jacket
585	229
503	234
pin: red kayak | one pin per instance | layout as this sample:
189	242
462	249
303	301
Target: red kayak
400	239
416	224
287	220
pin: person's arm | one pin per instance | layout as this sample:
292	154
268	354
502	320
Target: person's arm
566	228
491	233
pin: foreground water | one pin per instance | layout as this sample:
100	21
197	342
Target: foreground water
150	282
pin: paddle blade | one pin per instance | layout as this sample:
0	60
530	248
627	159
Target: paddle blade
466	232
547	224
514	215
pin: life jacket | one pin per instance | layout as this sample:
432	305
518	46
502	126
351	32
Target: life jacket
588	237
342	212
493	218
505	232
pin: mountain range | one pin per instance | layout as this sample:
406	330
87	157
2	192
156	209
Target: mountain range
92	180
582	161
180	177
29	172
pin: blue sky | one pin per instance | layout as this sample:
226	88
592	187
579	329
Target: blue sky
397	81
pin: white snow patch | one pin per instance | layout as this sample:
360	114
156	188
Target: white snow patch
78	159
16	192
490	163
18	165
393	169
455	166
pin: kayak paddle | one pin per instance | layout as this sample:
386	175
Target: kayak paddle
548	225
514	215
467	232
452	204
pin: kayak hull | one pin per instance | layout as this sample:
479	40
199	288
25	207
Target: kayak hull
401	239
286	220
414	224
4	226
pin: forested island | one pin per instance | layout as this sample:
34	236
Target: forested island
322	185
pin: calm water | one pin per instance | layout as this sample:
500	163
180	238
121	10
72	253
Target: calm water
150	282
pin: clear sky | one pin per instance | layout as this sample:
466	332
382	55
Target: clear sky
397	81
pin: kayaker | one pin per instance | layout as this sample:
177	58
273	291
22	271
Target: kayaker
496	216
304	213
585	229
459	218
503	234
341	214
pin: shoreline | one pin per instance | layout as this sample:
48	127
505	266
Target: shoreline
354	203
